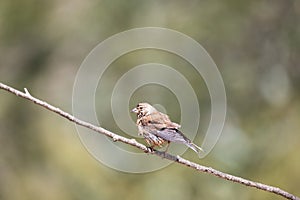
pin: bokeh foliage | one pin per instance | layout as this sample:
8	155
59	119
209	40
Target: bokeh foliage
256	45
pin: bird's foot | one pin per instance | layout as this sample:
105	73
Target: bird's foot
150	149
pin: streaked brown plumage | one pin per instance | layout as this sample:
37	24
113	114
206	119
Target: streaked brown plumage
157	128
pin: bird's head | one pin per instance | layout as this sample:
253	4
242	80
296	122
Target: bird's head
143	109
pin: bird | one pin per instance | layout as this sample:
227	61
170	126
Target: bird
157	128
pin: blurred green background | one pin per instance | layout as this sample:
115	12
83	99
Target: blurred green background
255	44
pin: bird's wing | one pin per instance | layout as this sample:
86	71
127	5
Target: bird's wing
160	121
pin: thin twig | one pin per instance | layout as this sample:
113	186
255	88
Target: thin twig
142	147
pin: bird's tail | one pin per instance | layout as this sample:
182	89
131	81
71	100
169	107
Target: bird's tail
195	148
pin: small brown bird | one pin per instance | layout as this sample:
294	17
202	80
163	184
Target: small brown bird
157	128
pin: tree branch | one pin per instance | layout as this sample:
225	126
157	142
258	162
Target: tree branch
142	147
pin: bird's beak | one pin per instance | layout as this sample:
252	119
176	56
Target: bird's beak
135	110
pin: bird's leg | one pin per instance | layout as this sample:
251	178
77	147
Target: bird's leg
167	147
150	147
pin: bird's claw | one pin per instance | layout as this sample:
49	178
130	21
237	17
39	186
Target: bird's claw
150	149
